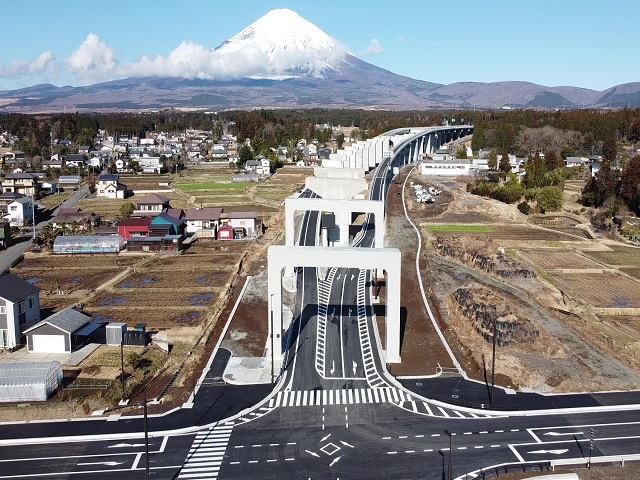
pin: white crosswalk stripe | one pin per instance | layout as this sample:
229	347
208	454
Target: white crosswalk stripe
299	398
206	453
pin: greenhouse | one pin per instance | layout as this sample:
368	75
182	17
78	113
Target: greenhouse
88	244
29	381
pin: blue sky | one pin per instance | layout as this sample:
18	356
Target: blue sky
550	42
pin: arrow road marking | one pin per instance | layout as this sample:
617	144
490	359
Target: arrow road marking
312	453
355	365
333	367
108	464
558	434
346	444
352	277
554	452
123	445
325	438
334	461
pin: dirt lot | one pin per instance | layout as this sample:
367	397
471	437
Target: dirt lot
565	351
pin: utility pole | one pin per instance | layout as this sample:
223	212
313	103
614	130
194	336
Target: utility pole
146	429
122	366
449	467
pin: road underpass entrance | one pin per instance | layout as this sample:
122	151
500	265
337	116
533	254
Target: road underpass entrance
385	259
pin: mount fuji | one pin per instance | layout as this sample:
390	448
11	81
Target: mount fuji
283	61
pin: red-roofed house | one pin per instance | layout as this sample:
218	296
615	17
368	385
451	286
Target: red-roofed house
134	227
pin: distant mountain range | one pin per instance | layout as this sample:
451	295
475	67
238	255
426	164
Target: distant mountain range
299	66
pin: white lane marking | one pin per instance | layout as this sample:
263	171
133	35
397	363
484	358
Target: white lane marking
124	445
558	434
108	464
535	437
515	452
136	461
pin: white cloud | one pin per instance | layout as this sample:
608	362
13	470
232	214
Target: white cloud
43	65
374	48
92	61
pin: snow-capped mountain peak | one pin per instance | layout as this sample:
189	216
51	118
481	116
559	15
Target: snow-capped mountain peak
282	44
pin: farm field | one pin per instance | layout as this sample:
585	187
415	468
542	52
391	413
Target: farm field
147	181
66	280
502	232
602	290
619	255
550	259
109	208
140	297
75	262
633	271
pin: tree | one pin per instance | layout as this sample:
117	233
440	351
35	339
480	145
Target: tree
244	154
127	209
610	149
553	160
461	152
505	166
536	170
135	166
549	199
493	161
340	140
630	180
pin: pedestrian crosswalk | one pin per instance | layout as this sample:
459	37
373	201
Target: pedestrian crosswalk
206	453
396	396
303	398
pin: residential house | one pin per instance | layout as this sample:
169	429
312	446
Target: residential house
244	224
19	309
5	200
14	157
84	149
324	153
175	213
151	205
108	186
20	212
164	225
264	166
75	219
150	164
24	183
251	166
54	162
218	152
122	165
134	227
571	162
203	221
77	160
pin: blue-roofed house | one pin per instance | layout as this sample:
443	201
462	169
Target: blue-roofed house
164	225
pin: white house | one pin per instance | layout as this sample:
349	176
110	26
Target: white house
19	212
571	162
204	221
150	164
244	224
218	151
19	309
108	186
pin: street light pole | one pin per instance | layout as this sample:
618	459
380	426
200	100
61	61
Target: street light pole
493	361
449	467
272	342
